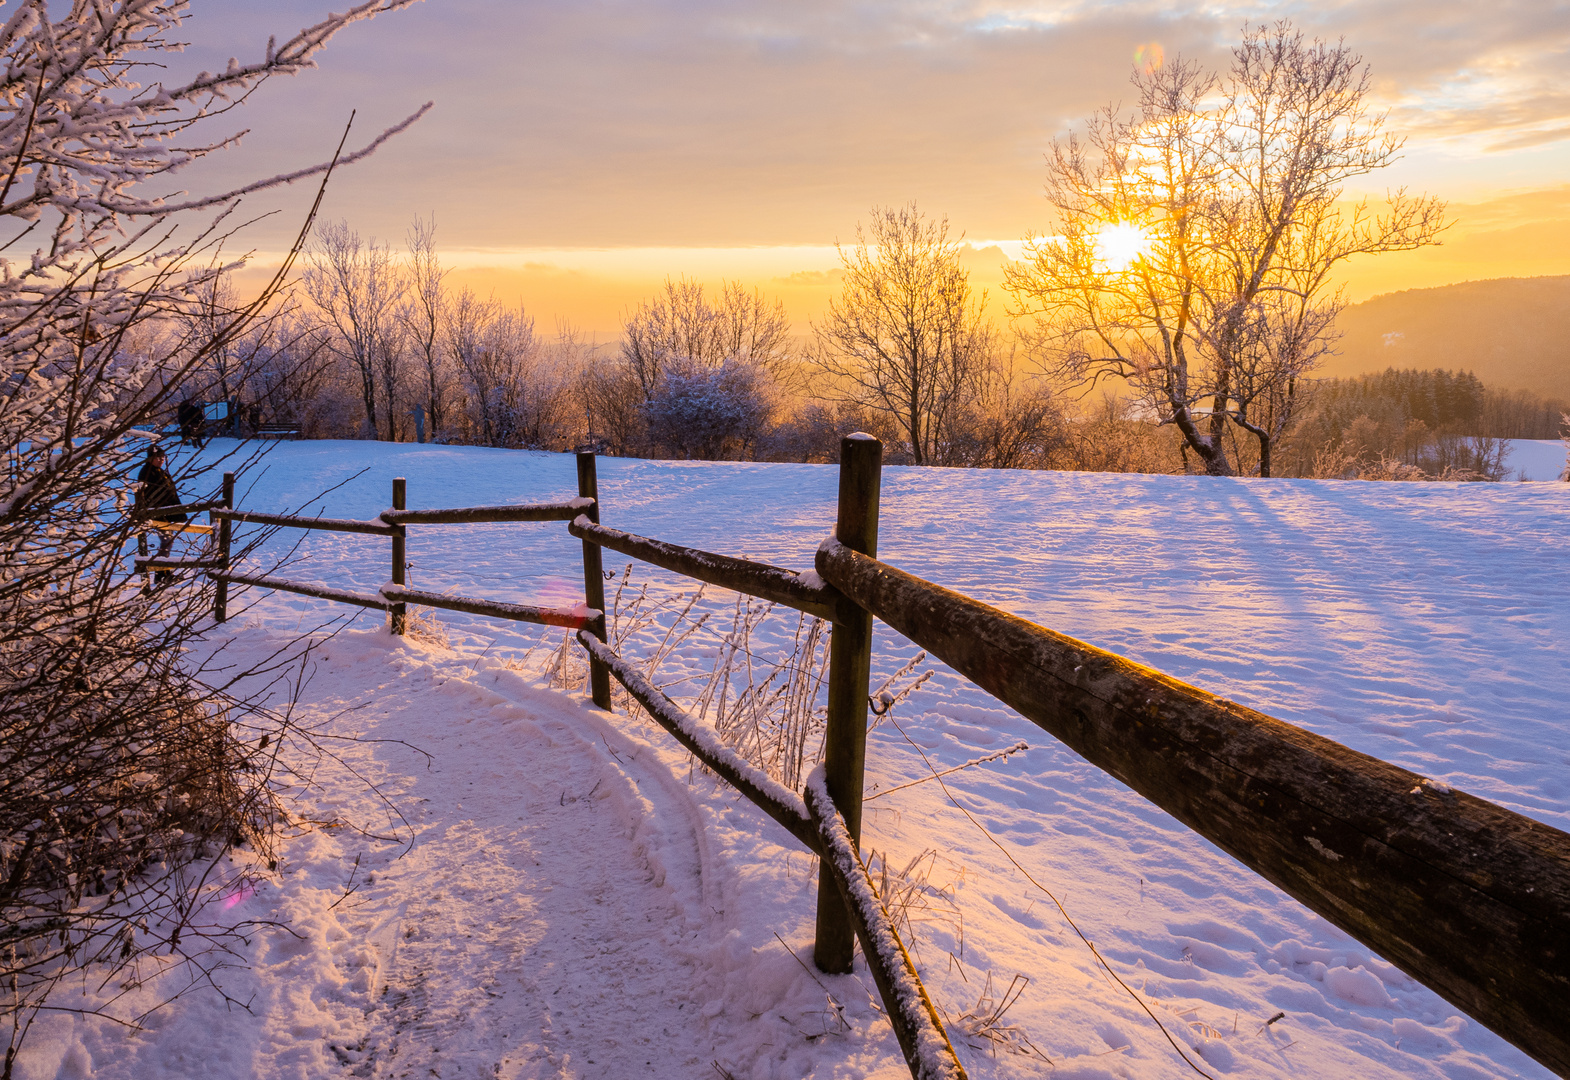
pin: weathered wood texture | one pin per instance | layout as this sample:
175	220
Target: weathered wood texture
739	575
321	592
397	616
1469	898
593	576
225	547
850	670
472	515
375	528
572	618
917	1026
154	562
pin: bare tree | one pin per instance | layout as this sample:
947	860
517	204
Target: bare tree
1232	187
422	317
226	358
905	336
681	324
500	360
357	287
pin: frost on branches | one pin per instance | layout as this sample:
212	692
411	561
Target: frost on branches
119	768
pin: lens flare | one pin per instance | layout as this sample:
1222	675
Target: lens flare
1119	244
1148	57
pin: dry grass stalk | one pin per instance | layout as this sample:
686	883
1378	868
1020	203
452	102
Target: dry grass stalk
422	625
985	1022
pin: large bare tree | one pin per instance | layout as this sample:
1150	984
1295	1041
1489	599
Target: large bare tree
906	336
1198	236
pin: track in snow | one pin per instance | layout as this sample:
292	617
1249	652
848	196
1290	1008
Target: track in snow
551	915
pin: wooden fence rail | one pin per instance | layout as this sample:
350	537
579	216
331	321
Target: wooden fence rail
571	618
155	513
774	583
1467	897
375	528
474	515
321	592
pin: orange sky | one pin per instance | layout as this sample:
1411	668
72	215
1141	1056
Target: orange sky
578	154
1516	234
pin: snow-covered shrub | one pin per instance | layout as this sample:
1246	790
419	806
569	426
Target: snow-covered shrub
118	764
708	413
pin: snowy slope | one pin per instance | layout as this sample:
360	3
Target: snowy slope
1536	459
574	898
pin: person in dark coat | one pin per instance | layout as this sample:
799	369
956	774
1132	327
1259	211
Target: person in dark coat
189	417
157	489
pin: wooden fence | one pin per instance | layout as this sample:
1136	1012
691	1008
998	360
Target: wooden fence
1467	897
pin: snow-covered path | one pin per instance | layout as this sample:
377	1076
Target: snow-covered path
527	891
546	917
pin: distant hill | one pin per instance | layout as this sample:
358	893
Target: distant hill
1513	333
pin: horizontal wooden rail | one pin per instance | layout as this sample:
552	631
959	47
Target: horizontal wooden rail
768	794
181	527
158	513
375	528
163	562
1469	898
321	592
560	511
572	618
928	1052
774	583
820	828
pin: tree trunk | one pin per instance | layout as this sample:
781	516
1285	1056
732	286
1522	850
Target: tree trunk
368	392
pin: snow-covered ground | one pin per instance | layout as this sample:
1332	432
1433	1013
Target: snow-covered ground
564	897
1535	459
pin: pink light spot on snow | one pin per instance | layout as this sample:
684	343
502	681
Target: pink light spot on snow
242	892
559	593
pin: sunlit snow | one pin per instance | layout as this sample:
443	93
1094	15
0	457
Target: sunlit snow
578	902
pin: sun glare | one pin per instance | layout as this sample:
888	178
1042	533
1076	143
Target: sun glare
1118	245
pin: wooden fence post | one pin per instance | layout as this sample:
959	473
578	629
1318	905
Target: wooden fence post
399	498
225	535
850	670
594	579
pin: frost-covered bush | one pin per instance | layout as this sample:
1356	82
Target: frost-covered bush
118	765
709	413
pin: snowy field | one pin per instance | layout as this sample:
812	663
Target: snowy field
559	895
1535	459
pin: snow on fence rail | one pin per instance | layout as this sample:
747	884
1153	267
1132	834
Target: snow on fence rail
1467	897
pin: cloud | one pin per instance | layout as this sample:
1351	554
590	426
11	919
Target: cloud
701	123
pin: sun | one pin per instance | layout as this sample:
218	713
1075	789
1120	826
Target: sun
1119	244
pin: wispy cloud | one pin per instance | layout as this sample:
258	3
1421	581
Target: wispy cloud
701	123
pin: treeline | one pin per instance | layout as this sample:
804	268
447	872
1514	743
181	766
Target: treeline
377	344
1455	402
1411	424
